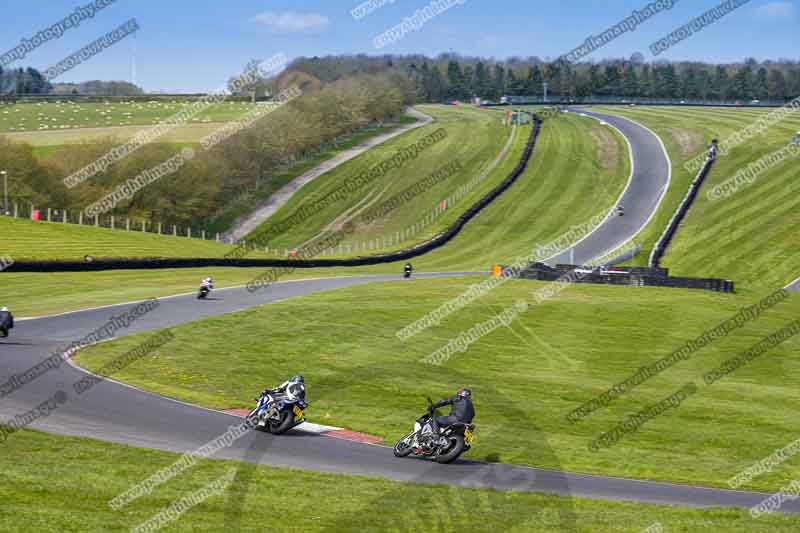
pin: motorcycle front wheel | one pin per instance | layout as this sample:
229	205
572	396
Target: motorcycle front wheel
402	448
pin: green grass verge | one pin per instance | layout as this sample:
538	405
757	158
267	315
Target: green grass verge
28	239
525	378
63	484
750	237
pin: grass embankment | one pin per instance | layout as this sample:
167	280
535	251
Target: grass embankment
43	473
751	236
577	171
28	239
281	178
525	378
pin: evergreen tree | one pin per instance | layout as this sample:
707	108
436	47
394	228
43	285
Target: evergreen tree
499	82
761	88
482	85
777	85
631	82
455	81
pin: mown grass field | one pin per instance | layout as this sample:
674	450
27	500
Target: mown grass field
525	378
751	236
67	115
43	475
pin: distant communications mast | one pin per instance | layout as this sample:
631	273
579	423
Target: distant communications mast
133	60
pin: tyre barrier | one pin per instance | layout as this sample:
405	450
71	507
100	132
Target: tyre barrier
632	276
664	241
98	264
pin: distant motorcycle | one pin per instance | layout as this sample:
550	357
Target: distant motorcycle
205	289
277	415
407	270
452	441
620	211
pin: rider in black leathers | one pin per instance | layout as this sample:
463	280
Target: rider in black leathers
461	410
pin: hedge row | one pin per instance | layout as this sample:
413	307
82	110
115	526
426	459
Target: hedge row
683	209
160	263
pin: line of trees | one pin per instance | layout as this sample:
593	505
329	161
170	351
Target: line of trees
249	159
452	77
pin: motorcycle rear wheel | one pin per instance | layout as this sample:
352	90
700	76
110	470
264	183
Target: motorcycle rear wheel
286	423
457	446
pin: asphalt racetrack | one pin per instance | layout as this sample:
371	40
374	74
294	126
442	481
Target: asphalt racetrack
119	413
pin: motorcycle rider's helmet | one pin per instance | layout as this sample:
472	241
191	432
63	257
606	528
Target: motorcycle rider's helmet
297	378
464	392
3	309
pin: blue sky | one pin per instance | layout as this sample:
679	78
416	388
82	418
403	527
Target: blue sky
186	45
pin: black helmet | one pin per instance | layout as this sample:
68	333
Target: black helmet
464	392
297	378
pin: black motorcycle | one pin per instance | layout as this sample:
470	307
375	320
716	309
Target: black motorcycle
407	271
277	415
446	447
204	290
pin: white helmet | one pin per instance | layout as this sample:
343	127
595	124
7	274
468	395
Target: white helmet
3	308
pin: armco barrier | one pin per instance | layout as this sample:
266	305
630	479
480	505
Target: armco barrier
635	276
158	263
664	241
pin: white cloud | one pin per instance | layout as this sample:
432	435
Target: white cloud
777	10
291	22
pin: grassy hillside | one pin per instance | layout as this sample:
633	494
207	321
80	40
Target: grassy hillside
28	239
527	376
40	487
751	236
578	170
